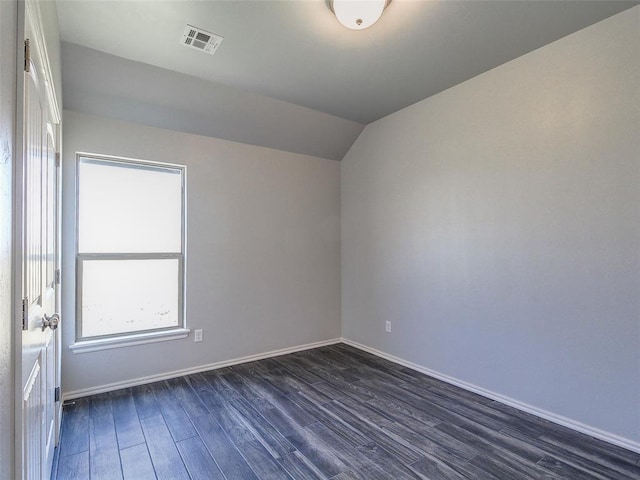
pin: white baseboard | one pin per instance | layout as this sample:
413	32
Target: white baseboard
188	371
552	417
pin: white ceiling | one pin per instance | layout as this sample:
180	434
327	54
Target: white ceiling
295	51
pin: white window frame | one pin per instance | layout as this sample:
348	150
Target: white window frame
137	337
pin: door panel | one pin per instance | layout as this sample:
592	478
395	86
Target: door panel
34	165
39	186
32	408
49	223
33	338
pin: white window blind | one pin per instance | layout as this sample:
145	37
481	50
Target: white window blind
130	259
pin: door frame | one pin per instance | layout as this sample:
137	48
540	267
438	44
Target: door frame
28	12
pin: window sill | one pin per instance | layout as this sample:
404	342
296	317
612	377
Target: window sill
86	346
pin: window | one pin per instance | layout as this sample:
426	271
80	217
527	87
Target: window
130	246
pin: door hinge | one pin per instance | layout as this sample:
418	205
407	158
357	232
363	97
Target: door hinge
25	313
56	394
58	276
27	56
57	159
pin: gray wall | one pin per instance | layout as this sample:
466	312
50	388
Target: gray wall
263	266
93	85
8	24
497	226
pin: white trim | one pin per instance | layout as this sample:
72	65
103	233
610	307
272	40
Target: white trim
188	371
552	417
86	346
538	412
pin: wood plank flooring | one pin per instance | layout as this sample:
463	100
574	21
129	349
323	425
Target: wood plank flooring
329	413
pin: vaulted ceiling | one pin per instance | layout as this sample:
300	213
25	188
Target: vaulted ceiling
287	74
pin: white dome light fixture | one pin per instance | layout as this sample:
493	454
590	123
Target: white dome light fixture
358	14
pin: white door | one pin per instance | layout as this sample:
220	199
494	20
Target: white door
38	190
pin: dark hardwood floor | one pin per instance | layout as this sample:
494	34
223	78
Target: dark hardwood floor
333	412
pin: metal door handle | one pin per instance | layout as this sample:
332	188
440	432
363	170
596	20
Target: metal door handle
52	322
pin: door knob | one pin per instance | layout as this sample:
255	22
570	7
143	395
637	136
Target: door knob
52	322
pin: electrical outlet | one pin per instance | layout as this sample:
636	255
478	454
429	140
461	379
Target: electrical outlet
387	327
197	335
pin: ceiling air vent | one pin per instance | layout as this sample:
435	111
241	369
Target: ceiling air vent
202	40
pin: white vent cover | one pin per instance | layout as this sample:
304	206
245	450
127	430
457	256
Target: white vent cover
200	39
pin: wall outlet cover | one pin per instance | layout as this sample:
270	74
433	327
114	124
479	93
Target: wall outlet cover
197	335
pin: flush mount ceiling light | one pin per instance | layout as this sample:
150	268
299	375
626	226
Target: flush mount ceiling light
358	14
